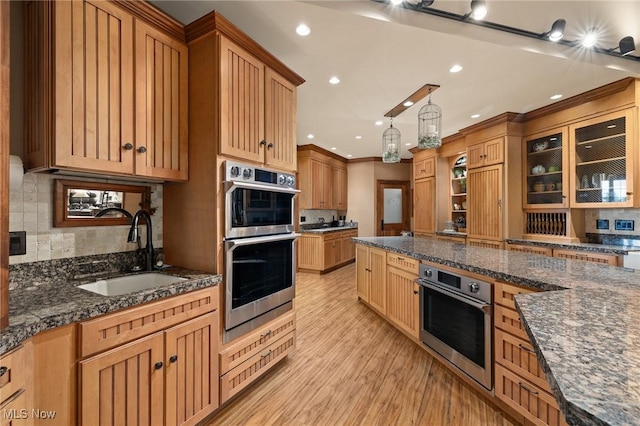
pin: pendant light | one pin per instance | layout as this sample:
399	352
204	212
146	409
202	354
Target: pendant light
391	145
429	126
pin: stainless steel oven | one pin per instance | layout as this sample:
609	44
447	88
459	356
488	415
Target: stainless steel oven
257	201
455	320
259	247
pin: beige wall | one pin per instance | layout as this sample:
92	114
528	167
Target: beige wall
363	177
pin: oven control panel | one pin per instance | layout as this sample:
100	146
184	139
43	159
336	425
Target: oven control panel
247	173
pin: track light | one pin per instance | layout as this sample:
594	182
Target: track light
590	39
478	9
627	45
557	30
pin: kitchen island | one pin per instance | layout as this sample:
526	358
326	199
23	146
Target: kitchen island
584	325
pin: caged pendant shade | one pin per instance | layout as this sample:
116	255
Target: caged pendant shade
429	126
391	145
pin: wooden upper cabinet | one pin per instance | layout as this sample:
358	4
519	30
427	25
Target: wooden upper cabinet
242	103
339	187
161	105
257	108
424	205
486	153
85	108
485	203
424	167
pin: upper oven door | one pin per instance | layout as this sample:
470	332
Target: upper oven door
252	209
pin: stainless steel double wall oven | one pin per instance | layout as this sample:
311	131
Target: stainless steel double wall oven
259	246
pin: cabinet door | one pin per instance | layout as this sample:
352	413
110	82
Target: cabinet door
191	352
280	121
241	103
484	203
124	385
403	301
327	186
330	258
424	205
603	154
321	176
545	174
475	156
339	188
363	284
493	152
161	105
94	114
377	271
310	252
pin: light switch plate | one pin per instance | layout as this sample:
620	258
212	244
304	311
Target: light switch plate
17	243
602	223
623	225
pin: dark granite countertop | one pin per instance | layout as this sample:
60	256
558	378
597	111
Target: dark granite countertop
587	336
597	248
48	303
452	234
328	229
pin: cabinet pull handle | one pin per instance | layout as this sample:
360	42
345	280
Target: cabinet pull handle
270	145
523	386
500	203
142	150
128	146
267	334
629	193
400	259
263	142
266	354
3	370
173	358
158	365
526	349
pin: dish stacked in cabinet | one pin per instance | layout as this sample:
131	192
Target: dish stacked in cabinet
519	379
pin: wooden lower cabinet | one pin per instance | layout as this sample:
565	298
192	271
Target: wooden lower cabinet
16	386
606	259
245	361
545	251
325	252
459	240
519	379
403	300
485	243
371	276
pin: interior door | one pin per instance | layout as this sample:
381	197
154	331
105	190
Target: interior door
392	207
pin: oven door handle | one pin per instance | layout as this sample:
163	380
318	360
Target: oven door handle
229	185
257	240
484	307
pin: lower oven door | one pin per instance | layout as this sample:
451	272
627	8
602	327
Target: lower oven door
458	328
260	276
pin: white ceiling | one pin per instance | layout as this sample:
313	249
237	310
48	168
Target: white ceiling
383	54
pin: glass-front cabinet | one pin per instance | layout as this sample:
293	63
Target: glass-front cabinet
602	161
546	162
459	193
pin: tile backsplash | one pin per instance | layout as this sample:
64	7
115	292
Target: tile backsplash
31	210
592	215
312	216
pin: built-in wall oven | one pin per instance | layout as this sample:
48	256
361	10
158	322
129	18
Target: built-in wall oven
259	246
455	320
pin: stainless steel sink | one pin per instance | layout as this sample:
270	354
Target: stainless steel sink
130	283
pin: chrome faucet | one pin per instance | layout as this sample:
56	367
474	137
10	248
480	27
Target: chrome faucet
134	237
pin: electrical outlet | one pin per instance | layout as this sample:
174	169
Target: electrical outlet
17	243
303	218
623	225
602	223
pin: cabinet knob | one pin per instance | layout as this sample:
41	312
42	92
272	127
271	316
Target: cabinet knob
629	193
142	150
128	146
173	358
263	142
158	365
270	145
415	291
3	370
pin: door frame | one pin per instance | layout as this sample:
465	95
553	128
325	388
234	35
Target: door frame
405	186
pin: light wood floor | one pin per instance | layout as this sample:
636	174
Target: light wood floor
353	368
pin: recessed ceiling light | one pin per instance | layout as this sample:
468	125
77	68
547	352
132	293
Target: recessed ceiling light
303	30
378	123
408	144
590	39
396	2
358	137
455	68
334	80
310	136
475	116
408	103
556	96
349	155
333	148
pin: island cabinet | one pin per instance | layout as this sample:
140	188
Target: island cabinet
322	179
246	360
153	364
519	379
106	91
494	207
371	265
424	193
403	295
257	109
323	252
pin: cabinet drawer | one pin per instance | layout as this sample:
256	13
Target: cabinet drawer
14	411
485	243
504	293
13	374
535	404
115	329
518	356
256	342
509	321
521	248
246	373
403	262
459	240
606	259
